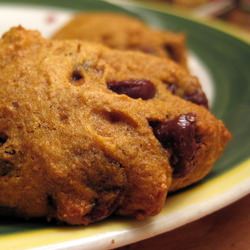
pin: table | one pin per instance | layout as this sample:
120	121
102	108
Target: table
226	229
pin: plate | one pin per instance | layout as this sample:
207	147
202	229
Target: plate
220	59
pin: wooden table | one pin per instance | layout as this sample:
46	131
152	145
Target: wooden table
227	229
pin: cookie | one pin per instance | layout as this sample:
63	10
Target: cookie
87	131
125	32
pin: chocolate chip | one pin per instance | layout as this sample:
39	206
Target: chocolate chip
144	89
5	167
172	88
3	138
77	77
197	97
179	137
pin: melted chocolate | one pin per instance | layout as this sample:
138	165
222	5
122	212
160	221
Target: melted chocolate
179	137
3	138
134	88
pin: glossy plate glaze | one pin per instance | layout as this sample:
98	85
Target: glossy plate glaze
220	59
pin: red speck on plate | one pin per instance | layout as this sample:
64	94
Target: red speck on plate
50	18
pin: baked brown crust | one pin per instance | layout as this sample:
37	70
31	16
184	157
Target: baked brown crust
80	151
125	32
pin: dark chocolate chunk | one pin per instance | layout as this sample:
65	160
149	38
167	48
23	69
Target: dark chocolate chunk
197	97
179	137
144	89
3	138
77	78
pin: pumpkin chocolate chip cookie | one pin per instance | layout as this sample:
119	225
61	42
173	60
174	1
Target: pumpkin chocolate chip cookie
125	32
87	131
